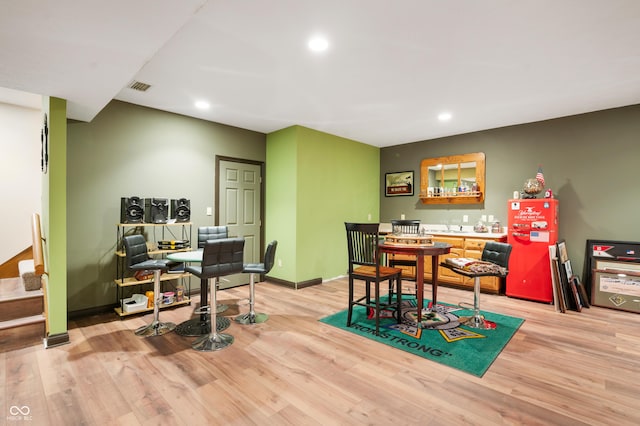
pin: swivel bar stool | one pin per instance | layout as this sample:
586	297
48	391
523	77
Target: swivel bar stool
495	256
138	260
220	258
252	317
201	324
208	233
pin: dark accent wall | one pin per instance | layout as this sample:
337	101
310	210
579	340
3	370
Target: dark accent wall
128	150
590	161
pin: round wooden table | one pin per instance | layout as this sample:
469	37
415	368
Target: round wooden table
420	251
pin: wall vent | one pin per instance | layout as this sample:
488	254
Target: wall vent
139	86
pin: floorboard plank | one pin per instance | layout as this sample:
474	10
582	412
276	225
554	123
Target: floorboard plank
559	369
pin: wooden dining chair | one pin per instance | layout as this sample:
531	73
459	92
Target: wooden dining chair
407	264
364	265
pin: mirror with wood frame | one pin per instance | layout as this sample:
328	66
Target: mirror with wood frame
455	179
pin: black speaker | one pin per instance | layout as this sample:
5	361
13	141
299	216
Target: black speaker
131	210
156	210
181	210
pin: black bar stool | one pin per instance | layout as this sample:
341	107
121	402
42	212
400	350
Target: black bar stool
220	258
495	263
138	260
252	317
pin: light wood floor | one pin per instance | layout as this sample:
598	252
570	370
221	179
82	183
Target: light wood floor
564	369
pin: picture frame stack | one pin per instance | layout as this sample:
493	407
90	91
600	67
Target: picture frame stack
568	291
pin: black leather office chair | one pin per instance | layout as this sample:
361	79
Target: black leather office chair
138	260
495	256
364	264
220	258
252	317
409	227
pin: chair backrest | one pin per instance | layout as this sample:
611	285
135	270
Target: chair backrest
222	257
362	244
407	226
135	247
497	253
270	256
207	233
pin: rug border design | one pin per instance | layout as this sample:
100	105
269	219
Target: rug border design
391	334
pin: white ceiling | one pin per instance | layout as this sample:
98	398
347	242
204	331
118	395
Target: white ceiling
391	67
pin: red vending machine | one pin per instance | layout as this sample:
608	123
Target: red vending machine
532	228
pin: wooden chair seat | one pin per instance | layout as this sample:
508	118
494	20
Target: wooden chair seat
370	271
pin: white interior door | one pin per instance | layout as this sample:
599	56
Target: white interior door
239	203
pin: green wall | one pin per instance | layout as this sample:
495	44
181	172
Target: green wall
590	161
316	182
54	216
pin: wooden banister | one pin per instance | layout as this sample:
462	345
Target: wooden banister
36	236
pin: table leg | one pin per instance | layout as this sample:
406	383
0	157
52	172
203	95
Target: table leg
420	283
434	281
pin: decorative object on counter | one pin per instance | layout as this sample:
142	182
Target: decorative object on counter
532	187
399	183
496	228
480	227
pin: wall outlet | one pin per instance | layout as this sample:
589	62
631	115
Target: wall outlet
279	263
402	216
490	218
369	216
483	218
465	218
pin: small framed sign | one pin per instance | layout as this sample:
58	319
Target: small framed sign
398	183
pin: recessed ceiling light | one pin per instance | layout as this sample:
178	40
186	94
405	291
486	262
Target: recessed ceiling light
202	105
318	44
444	116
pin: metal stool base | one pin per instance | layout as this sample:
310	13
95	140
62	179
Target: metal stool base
156	328
251	318
477	321
213	342
198	327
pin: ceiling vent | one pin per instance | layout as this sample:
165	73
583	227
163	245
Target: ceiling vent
139	86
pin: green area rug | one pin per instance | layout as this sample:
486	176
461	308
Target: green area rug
446	340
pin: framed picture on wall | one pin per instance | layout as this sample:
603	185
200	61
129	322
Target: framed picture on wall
398	183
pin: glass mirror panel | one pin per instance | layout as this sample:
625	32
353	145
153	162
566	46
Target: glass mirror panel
454	179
